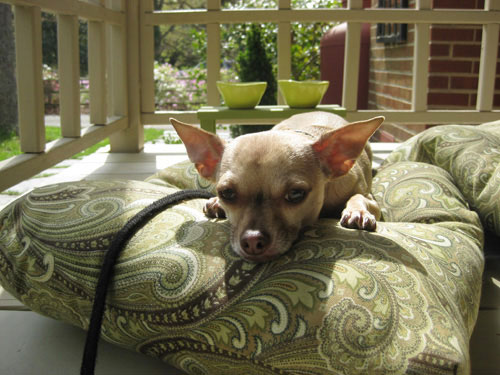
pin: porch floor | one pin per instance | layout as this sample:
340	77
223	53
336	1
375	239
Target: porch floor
32	344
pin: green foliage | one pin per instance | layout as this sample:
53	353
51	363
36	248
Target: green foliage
182	89
49	42
179	89
254	64
8	87
10	146
305	37
170	41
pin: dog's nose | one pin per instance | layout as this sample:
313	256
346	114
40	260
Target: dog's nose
254	242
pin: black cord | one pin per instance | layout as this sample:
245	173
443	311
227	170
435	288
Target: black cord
121	238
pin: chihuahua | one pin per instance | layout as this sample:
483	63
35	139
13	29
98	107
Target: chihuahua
270	185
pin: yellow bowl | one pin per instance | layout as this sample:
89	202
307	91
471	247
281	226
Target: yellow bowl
303	94
241	95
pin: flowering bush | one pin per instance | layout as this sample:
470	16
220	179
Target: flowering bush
185	89
179	89
175	89
51	90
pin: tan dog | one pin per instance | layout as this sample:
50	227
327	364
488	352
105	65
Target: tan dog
272	184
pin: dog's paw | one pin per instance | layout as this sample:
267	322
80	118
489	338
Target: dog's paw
358	219
213	209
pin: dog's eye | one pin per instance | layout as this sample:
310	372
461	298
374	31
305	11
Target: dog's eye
295	195
228	195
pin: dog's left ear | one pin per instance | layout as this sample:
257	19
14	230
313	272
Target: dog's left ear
339	149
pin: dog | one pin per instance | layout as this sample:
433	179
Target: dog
270	185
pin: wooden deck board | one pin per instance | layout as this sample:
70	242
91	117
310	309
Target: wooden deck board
33	344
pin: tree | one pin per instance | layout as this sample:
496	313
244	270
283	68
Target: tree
254	64
8	88
305	37
49	42
170	41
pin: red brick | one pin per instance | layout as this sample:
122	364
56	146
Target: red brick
479	34
473	100
440	49
392	52
384	102
464	83
438	82
394	78
393	65
452	34
447	99
450	66
463	50
394	91
496	101
475	67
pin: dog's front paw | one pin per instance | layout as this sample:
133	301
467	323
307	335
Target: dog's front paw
213	209
358	219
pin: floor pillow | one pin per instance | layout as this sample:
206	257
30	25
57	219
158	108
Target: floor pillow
403	299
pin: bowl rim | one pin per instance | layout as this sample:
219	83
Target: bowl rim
229	83
308	81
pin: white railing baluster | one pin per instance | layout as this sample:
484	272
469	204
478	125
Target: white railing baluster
351	60
97	56
213	56
117	63
69	75
28	31
284	48
147	59
421	61
487	67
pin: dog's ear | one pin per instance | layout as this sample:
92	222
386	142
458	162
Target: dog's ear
339	149
204	149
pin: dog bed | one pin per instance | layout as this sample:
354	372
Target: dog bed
403	299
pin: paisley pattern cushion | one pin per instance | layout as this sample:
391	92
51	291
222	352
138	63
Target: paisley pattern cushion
472	156
401	300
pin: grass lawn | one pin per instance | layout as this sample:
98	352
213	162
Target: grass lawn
9	143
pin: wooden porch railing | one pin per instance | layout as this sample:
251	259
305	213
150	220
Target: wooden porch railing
121	61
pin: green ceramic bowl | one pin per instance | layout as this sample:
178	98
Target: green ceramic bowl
303	94
241	95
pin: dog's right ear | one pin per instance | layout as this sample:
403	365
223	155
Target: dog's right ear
339	148
204	149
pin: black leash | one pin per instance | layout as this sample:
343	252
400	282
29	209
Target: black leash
121	238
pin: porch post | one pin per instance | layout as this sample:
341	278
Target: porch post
29	78
284	48
213	56
132	138
351	60
421	61
487	67
69	74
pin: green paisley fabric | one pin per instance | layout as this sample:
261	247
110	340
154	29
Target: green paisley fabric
471	154
403	299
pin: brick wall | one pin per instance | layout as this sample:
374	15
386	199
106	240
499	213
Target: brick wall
453	69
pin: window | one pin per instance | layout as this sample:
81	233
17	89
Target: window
392	32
